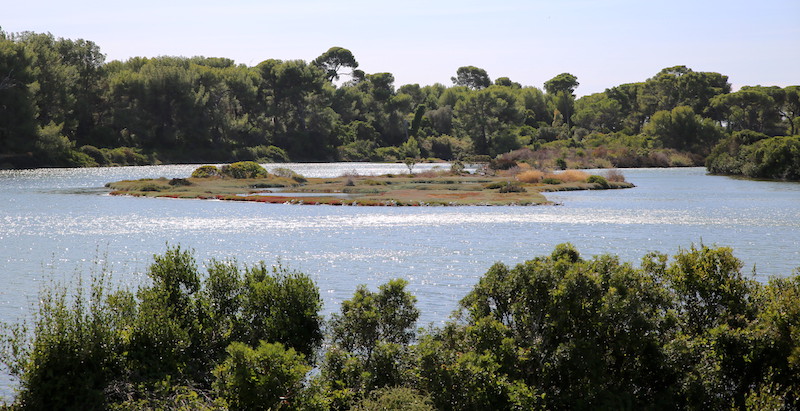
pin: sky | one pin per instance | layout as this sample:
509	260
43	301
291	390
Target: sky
604	43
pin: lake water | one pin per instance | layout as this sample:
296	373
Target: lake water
55	223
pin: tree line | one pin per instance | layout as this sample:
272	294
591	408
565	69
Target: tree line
64	105
556	332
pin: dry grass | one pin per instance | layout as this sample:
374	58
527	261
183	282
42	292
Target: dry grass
433	173
570	176
530	176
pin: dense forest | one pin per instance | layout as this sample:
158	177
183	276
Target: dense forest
64	105
558	332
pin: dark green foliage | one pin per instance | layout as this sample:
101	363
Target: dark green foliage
369	317
370	340
99	157
682	129
472	77
159	346
282	307
395	398
263	378
774	158
599	180
265	154
60	94
556	332
126	156
75	352
562	83
179	182
334	59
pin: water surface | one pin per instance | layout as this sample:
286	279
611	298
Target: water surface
59	222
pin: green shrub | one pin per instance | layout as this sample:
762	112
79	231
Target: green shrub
126	156
95	153
206	172
391	153
267	154
280	306
80	159
360	150
72	352
179	182
263	378
599	180
395	398
244	169
551	180
163	346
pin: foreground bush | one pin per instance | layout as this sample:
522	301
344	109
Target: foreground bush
261	378
555	332
136	349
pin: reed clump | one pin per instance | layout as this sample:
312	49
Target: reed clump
569	176
530	176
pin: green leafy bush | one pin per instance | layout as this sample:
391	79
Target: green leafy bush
244	169
206	172
774	158
267	377
555	332
395	398
99	156
551	180
126	156
267	154
599	180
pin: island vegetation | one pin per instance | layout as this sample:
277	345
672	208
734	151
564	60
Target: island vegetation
556	332
64	105
249	181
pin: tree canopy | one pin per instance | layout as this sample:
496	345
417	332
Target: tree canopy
64	105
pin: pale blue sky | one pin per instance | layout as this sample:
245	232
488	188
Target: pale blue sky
603	43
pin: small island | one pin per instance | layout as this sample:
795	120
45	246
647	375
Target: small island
249	181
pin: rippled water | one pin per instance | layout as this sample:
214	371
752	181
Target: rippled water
58	222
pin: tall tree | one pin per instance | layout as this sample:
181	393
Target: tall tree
486	115
334	60
751	108
563	82
682	129
17	109
472	77
598	112
680	86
